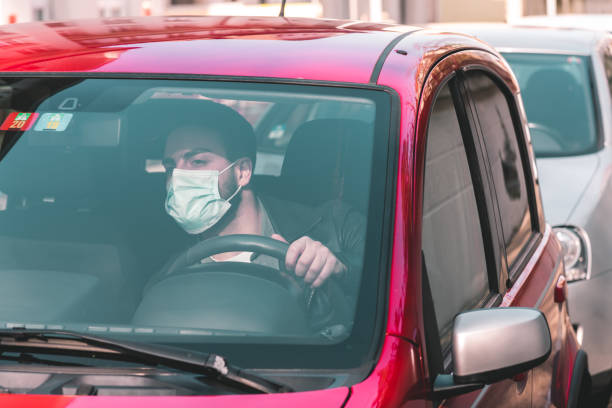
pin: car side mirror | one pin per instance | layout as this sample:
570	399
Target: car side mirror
490	345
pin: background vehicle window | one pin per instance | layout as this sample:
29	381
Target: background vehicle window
452	235
505	160
558	101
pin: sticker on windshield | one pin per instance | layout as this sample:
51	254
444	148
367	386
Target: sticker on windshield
19	121
57	122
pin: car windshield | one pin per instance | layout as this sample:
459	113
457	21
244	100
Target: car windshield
558	100
113	193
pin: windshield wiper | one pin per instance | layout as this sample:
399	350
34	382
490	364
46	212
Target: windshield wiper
211	365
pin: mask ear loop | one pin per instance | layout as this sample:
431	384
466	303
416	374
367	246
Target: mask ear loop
229	166
239	187
233	195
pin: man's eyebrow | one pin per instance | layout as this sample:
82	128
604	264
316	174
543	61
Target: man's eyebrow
193	152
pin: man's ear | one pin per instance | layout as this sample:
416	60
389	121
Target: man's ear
244	171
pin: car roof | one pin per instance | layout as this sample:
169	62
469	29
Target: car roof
506	37
315	49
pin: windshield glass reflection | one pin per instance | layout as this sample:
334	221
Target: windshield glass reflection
187	212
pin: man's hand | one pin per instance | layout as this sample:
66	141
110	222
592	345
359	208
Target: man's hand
312	260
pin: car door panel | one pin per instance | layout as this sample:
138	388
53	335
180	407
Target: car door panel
552	377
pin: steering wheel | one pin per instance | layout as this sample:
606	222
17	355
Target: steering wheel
316	302
217	245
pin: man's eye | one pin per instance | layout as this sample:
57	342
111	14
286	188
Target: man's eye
197	162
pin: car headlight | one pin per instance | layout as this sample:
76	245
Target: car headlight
576	251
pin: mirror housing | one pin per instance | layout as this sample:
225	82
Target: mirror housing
490	345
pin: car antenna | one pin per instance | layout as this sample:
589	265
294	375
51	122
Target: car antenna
282	11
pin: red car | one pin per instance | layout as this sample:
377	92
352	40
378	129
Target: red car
246	212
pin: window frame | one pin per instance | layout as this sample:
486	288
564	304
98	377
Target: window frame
386	151
512	271
483	200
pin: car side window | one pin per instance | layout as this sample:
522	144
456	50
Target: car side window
506	162
452	237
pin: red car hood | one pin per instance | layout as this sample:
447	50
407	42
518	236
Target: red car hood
333	398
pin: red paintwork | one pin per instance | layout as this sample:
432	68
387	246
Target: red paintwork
253	46
328	398
561	290
31	401
407	75
330	51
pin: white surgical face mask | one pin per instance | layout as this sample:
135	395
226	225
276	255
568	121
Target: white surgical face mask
193	199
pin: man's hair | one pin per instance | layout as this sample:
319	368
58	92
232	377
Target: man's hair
236	133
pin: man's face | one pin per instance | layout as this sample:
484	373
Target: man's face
191	148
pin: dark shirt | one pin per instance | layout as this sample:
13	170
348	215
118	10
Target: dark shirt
335	224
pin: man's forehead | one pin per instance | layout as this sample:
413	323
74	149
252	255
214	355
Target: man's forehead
194	138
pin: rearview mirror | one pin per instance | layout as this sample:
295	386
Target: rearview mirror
490	345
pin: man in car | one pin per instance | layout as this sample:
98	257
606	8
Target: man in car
209	160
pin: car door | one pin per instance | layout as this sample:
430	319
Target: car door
461	253
533	265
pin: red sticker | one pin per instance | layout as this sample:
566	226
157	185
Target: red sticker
19	121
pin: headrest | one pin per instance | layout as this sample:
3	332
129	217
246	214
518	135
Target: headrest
329	159
553	97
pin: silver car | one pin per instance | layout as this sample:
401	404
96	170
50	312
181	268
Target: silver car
565	77
588	21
